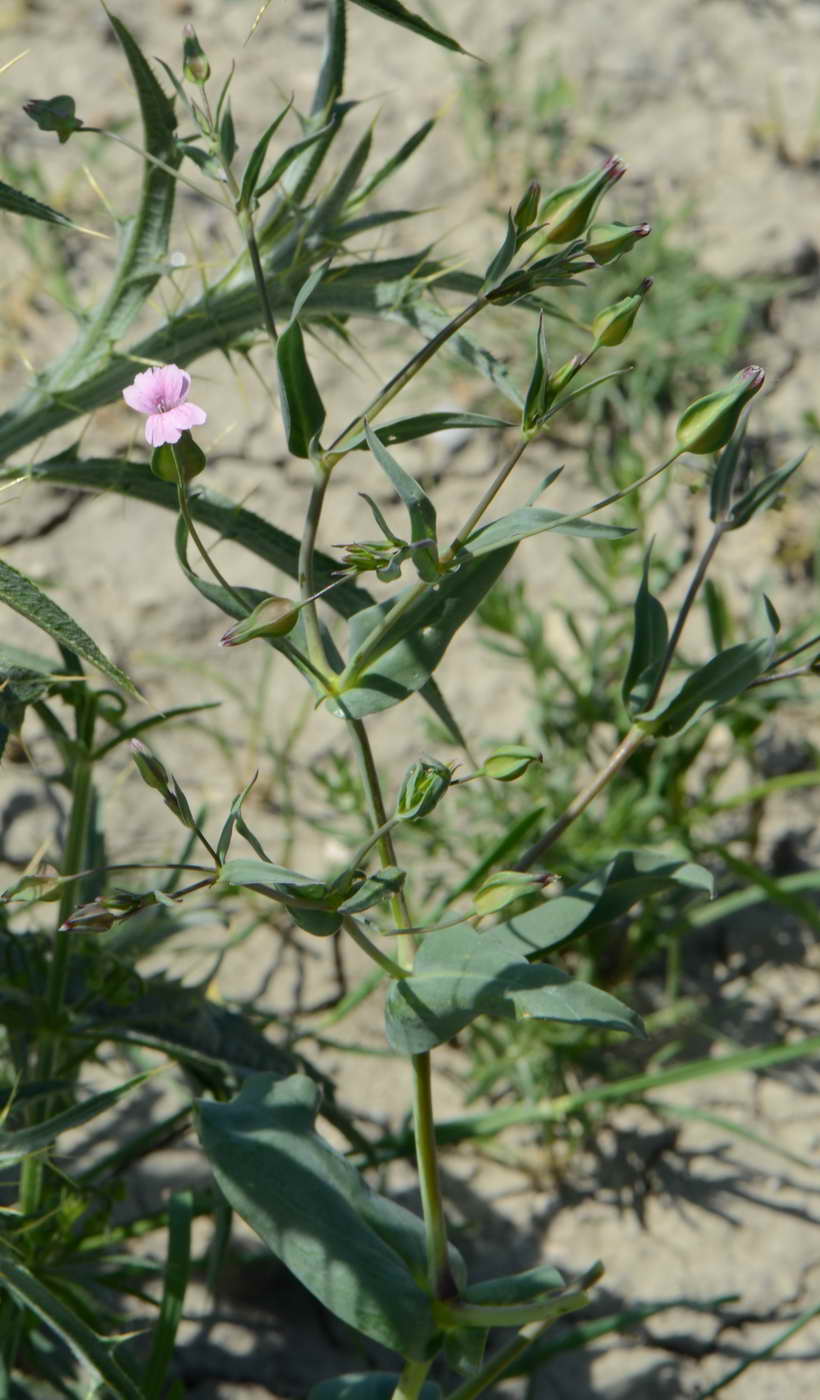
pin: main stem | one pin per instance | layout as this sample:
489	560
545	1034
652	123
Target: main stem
435	1227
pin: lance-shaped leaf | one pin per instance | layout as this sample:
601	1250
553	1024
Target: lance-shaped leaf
602	897
759	496
90	1349
407	654
521	524
460	974
303	412
399	14
250	178
16	1146
19	593
360	1254
420	508
13	201
502	259
422	425
648	646
721	679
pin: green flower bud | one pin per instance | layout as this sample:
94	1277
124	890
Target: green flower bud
89	918
526	210
273	617
150	769
505	886
424	785
510	762
606	242
186	452
195	66
54	114
708	423
568	211
613	324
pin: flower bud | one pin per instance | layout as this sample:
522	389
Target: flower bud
505	886
510	762
424	785
613	324
526	210
195	65
150	769
89	918
568	211
708	423
273	617
606	242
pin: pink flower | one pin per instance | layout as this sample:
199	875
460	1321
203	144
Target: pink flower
161	393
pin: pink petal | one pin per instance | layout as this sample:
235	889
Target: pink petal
160	429
141	395
186	415
173	384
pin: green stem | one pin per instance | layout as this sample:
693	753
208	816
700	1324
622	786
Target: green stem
685	608
411	1380
307	586
337	448
160	164
579	803
185	512
359	936
369	649
486	501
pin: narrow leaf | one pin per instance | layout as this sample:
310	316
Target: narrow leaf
257	156
502	259
177	1271
649	644
16	1146
19	593
399	14
721	679
15	202
420	508
534	520
303	412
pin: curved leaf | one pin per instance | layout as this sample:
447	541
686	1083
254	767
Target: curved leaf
399	14
533	520
15	202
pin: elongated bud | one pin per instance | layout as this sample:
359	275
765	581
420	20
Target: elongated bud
606	242
424	785
505	886
89	918
527	208
708	423
150	769
510	762
186	452
195	65
273	617
613	324
568	211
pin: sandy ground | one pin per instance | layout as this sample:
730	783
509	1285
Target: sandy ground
714	106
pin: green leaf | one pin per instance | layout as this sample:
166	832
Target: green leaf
395	162
460	974
224	842
399	14
177	1271
502	259
602	897
422	424
16	1146
303	412
534	520
89	1348
537	391
368	1385
408	653
360	1254
420	509
374	889
648	647
516	1288
15	202
250	179
723	478
283	162
19	593
227	137
759	496
721	679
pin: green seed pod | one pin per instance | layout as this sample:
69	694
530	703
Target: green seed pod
568	211
606	242
273	617
195	65
708	423
89	918
613	324
510	762
424	785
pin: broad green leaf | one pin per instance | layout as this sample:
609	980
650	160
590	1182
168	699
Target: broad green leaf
310	902
516	1288
721	679
89	1348
360	1254
19	593
16	1146
460	974
602	897
15	202
303	412
368	1385
648	647
399	14
521	524
409	652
